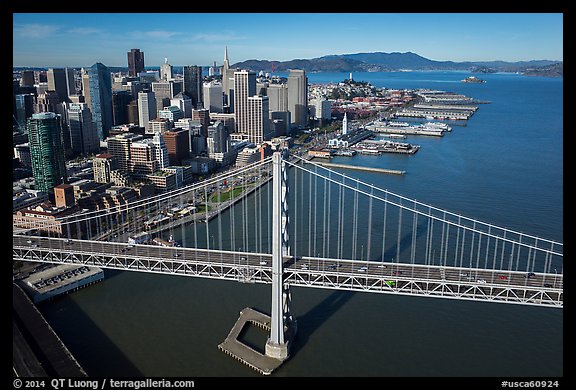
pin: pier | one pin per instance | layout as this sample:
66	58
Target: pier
369	169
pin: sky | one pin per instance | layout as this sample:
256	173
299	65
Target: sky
82	39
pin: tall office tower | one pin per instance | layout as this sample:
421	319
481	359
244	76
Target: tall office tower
166	71
58	82
184	103
83	135
47	102
163	92
24	109
213	70
146	108
103	164
218	141
244	86
86	87
203	116
70	81
41	75
193	84
160	150
101	98
27	78
119	147
258	120
298	97
134	87
278	96
132	110
228	81
213	96
135	62
47	150
323	109
177	145
225	80
120	102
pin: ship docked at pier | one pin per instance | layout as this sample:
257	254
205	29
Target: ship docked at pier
435	129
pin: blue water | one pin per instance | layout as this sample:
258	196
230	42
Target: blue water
505	167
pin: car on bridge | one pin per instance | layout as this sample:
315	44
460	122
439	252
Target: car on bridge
530	275
503	277
263	263
362	269
390	283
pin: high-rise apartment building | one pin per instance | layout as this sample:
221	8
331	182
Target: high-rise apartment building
135	62
119	147
103	164
160	150
100	81
142	159
47	150
298	97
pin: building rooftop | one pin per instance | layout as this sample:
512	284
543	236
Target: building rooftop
53	278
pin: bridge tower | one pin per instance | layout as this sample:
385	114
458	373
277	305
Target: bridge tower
283	325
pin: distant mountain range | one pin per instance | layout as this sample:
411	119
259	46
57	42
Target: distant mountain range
383	62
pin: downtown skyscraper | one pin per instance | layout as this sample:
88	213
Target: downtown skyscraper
47	150
193	84
298	97
83	135
100	91
244	87
135	62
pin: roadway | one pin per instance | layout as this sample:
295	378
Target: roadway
304	271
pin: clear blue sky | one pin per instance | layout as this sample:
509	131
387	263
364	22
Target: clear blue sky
66	39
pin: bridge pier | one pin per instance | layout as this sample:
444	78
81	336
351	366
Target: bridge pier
281	324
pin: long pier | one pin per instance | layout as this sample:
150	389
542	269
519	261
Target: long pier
369	169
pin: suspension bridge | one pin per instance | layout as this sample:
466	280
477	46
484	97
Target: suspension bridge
288	222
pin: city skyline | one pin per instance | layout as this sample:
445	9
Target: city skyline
75	40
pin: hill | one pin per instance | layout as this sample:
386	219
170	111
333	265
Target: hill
381	62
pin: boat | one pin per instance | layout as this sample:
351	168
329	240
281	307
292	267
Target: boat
437	125
473	79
